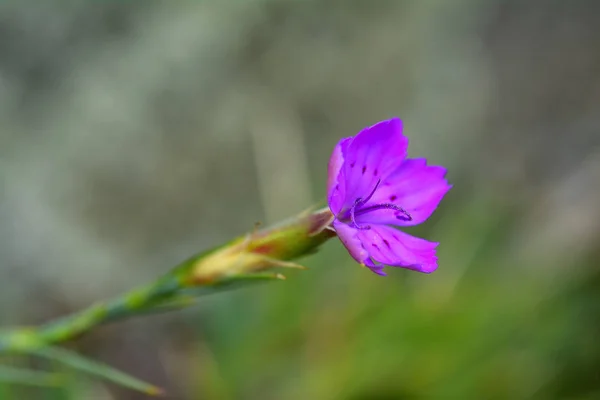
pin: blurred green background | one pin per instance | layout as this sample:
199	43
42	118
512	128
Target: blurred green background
136	133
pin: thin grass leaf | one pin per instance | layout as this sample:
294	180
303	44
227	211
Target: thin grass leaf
97	369
188	297
235	281
22	376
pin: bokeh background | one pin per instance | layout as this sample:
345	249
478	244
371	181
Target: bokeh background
136	133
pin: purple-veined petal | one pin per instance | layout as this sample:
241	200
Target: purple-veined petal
372	155
392	247
335	180
415	187
349	238
377	268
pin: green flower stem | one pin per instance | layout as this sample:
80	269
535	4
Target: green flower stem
240	261
69	327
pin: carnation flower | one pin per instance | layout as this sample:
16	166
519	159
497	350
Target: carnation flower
373	188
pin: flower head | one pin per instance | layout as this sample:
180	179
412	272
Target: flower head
373	187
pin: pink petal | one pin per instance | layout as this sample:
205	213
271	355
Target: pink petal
335	180
377	268
349	238
390	246
415	187
372	155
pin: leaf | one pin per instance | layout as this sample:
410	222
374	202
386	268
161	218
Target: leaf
95	368
235	281
187	297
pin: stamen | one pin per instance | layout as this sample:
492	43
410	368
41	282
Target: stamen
356	209
385	206
353	218
361	201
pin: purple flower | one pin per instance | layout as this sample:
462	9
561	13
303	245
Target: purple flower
372	187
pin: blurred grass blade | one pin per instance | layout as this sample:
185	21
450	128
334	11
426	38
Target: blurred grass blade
21	376
95	368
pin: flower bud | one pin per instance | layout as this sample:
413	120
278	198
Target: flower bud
263	249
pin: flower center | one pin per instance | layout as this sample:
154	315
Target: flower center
358	209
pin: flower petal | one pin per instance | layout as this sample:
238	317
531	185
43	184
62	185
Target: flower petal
372	155
349	238
392	247
377	268
415	187
335	182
